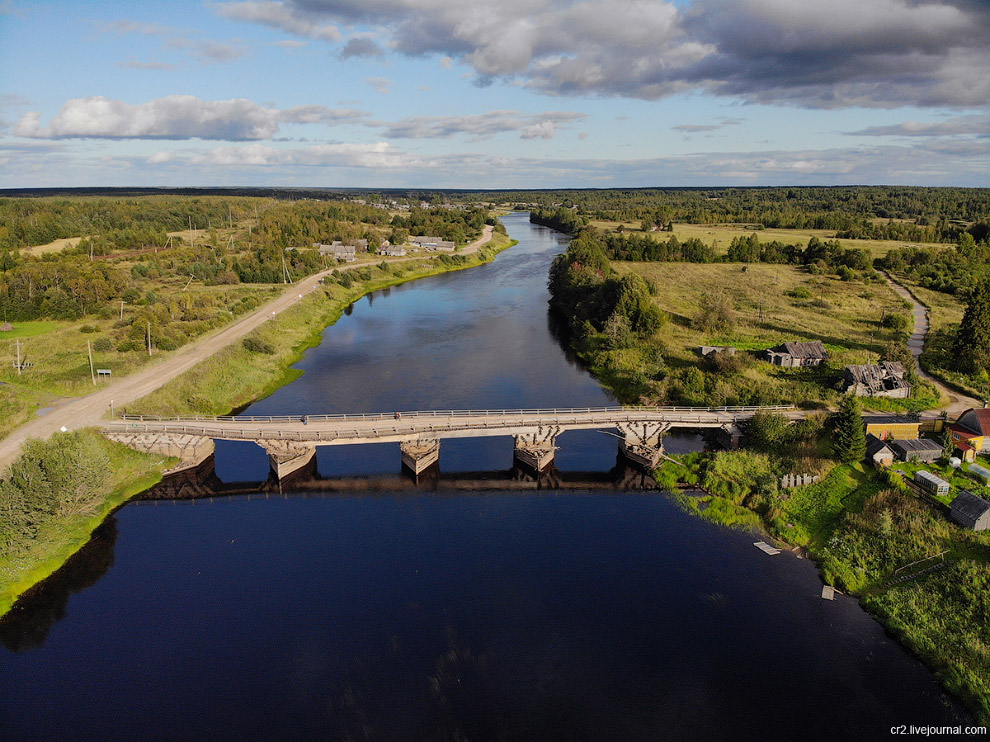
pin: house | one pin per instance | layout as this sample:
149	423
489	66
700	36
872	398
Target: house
971	432
433	244
793	355
928	481
338	250
893	427
707	351
970	511
360	245
878	452
877	380
395	251
920	449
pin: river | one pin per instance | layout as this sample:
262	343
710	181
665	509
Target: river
402	614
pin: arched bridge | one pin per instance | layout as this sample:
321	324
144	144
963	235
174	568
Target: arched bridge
291	440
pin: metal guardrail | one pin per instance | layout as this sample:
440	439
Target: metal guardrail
448	413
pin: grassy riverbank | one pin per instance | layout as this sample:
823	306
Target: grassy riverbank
864	530
59	491
245	372
56	494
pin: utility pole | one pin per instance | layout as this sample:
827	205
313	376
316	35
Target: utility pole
121	311
18	357
230	217
92	373
149	338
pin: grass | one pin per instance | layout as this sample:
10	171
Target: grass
771	304
29	329
131	473
720	235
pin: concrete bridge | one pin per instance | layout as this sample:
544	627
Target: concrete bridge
291	440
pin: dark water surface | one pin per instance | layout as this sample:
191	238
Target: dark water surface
408	615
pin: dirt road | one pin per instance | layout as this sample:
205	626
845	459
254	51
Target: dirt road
89	410
958	402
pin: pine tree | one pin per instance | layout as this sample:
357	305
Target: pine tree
972	346
848	434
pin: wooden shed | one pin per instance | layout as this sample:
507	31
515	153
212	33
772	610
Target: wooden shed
922	449
878	452
795	355
971	511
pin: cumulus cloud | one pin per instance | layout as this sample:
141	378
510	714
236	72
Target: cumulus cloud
882	53
291	17
482	125
173	117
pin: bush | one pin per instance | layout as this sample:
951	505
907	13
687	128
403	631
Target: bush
103	344
898	322
89	328
255	345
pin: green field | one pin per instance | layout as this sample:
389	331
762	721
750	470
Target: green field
770	304
29	329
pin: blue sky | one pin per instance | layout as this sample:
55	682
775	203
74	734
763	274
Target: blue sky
495	94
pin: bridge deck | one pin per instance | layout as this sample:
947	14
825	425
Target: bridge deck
404	426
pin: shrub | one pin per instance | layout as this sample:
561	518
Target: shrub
103	344
256	345
89	328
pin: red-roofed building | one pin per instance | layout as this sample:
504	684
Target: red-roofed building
972	430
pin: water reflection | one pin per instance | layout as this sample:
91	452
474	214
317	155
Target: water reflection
28	623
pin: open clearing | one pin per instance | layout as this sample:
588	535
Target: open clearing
720	235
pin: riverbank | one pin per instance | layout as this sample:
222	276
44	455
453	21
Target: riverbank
862	528
231	378
57	493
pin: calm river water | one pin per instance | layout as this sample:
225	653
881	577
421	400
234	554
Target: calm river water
414	615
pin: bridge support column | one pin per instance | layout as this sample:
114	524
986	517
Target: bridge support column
286	457
534	451
729	436
191	450
420	455
642	443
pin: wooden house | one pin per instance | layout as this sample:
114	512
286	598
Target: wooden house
877	380
793	355
971	432
970	511
878	452
707	351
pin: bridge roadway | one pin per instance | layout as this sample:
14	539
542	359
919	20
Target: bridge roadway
291	441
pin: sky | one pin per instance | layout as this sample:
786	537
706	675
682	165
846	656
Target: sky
494	93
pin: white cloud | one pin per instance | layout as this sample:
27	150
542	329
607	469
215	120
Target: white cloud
378	155
161	156
381	84
173	117
482	125
288	17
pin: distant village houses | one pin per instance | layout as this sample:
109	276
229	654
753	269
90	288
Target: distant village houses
877	380
338	250
392	251
432	244
794	355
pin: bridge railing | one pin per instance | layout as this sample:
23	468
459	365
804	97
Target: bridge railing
449	413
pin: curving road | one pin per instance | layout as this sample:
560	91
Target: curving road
89	410
958	402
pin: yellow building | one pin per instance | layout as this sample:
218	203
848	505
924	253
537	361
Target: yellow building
893	427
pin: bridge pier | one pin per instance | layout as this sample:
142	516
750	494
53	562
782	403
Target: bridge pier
287	457
535	451
642	443
729	436
420	455
191	450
